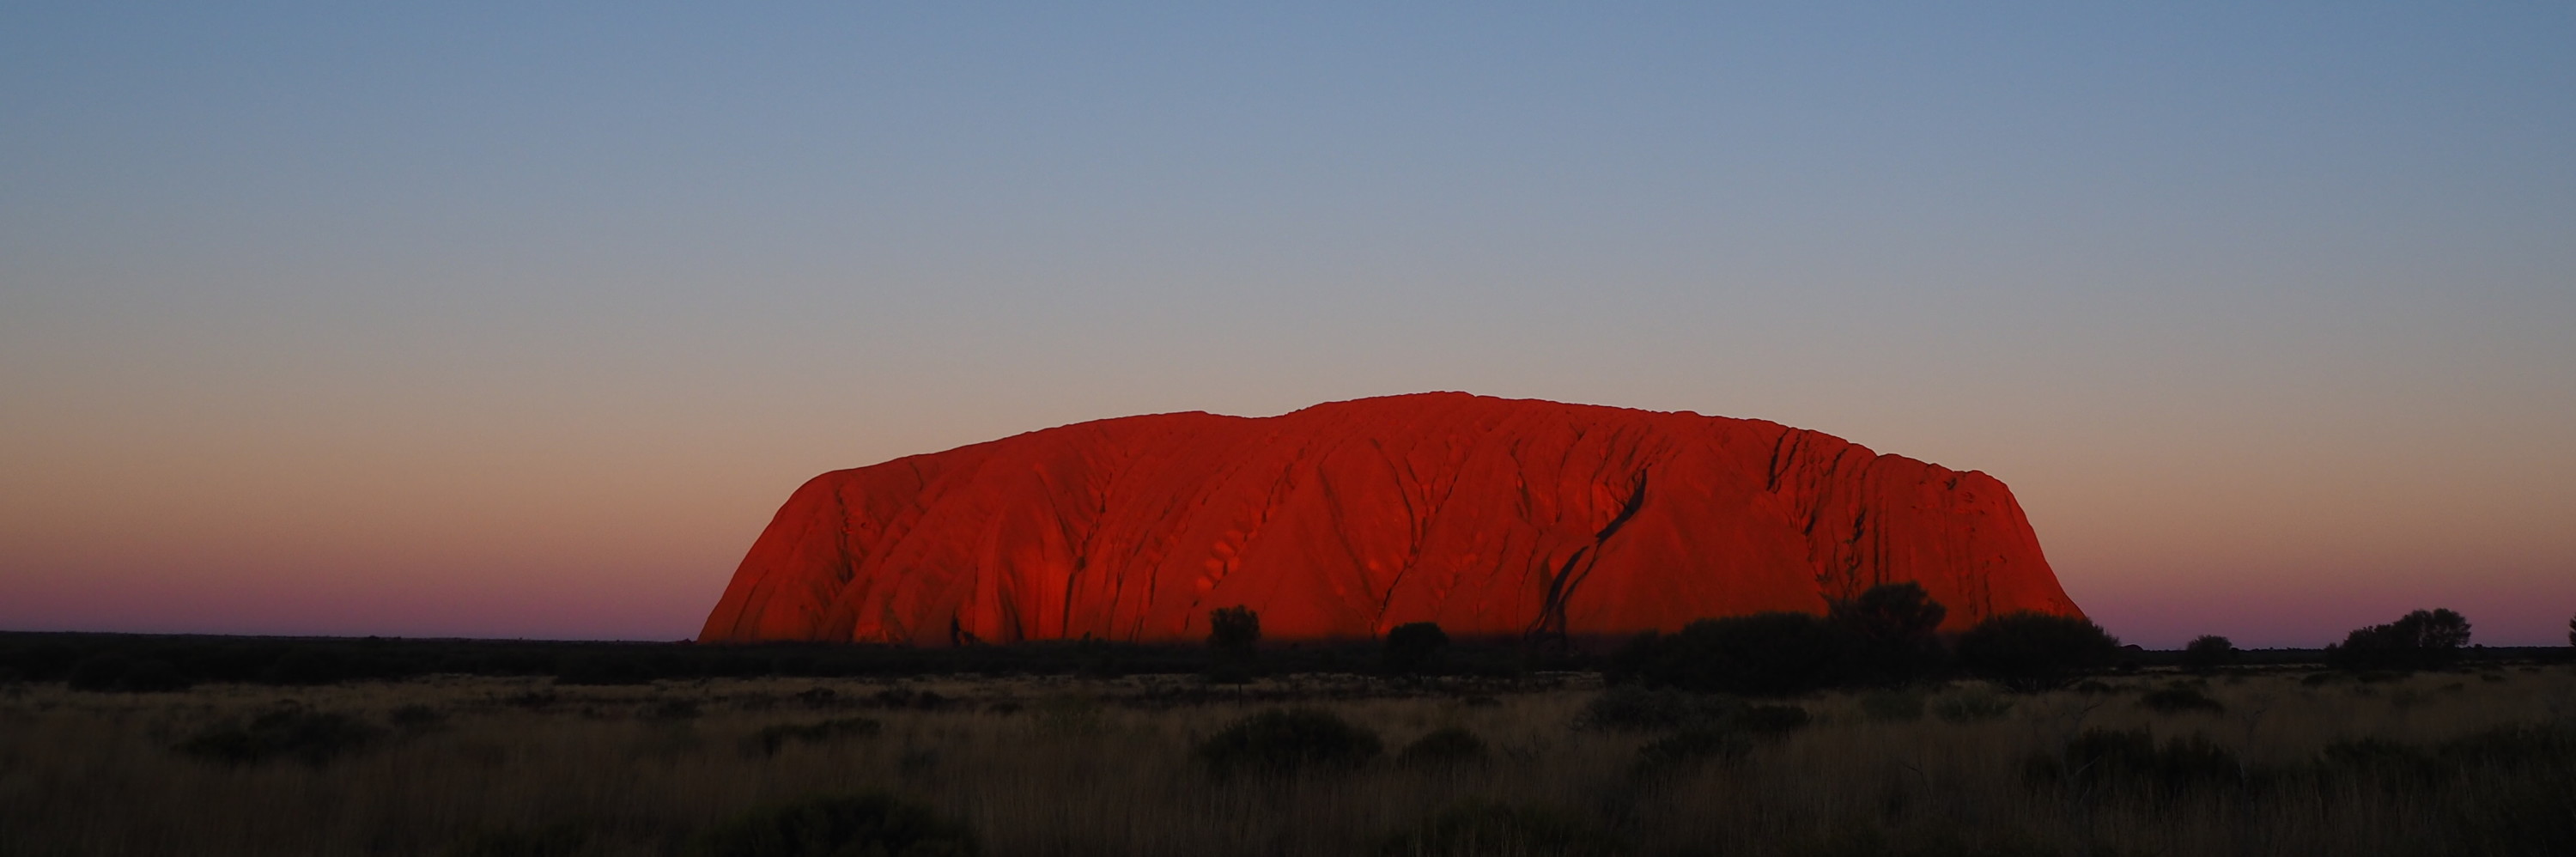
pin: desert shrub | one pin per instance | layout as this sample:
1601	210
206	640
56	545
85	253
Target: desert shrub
557	841
1692	747
1894	626
1447	745
120	674
771	739
1234	631
2177	699
416	717
1892	706
1412	645
866	826
1495	830
1970	707
1285	740
1067	714
2382	759
2107	759
1764	654
311	737
2208	652
1629	708
2424	639
1770	720
2035	651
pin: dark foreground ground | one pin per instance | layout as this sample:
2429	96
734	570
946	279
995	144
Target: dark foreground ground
344	747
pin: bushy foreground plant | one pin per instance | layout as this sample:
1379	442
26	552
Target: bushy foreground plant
2035	651
1281	741
1447	746
863	826
2104	759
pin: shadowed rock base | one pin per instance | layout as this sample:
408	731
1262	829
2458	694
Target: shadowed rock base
1491	517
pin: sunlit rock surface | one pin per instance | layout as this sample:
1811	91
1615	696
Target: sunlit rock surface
1489	516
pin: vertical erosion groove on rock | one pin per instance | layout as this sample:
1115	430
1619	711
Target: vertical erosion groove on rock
1491	517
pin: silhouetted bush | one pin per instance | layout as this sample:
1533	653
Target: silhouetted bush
309	666
1447	745
867	826
2132	760
2208	652
1765	654
1895	627
1234	631
2178	699
601	669
1411	646
1285	740
120	674
1494	830
771	739
310	737
2035	651
2424	639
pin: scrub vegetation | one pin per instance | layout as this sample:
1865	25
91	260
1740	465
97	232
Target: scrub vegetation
1858	732
2266	761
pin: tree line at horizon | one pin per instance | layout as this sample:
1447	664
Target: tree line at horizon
1885	635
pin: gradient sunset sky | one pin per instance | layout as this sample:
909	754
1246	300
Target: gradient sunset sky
521	319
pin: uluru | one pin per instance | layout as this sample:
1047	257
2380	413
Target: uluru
1491	517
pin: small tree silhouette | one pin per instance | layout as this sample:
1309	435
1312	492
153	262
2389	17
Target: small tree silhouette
1232	631
1411	645
2424	639
1765	654
2208	652
2035	651
1895	625
2571	632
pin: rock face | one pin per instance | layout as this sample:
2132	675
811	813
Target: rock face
1488	516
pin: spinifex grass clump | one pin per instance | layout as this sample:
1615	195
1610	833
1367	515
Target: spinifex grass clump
1447	746
2179	699
771	739
867	826
312	737
1496	830
2103	760
1287	740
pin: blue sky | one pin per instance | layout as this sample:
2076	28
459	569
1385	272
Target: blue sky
487	306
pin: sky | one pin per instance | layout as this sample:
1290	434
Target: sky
521	319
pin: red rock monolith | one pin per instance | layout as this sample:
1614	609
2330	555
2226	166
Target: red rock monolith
1491	517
